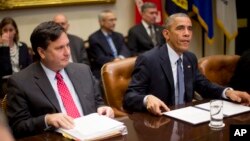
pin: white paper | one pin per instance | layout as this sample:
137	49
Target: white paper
229	108
190	114
94	126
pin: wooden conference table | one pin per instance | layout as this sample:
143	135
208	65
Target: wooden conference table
146	127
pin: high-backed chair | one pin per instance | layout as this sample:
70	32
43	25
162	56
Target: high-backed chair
115	78
218	68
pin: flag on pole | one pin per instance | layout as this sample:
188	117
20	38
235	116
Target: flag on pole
139	3
227	17
203	9
176	6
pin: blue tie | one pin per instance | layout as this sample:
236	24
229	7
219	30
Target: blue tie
112	45
180	82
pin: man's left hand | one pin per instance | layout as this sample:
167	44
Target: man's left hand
239	96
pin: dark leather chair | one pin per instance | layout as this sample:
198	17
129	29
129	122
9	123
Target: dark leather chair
218	68
115	78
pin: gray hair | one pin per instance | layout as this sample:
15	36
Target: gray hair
102	14
170	19
147	5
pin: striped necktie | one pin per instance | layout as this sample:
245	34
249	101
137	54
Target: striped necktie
180	82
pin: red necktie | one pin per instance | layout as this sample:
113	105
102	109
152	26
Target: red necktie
66	97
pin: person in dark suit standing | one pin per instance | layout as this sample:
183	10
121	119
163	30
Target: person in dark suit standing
168	75
14	55
147	34
52	91
77	48
106	45
241	76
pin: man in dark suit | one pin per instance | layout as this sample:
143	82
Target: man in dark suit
106	45
77	48
36	99
147	34
156	80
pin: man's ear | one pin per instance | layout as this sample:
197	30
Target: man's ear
41	52
165	33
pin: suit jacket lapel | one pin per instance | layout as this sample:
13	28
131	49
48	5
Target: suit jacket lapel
78	84
166	66
187	67
104	43
43	83
144	33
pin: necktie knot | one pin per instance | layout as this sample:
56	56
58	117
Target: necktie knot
179	61
58	76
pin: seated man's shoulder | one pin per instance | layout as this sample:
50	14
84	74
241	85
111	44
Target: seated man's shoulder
74	37
135	28
78	65
94	35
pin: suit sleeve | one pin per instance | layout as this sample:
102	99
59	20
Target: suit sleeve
20	119
138	87
123	49
25	57
202	85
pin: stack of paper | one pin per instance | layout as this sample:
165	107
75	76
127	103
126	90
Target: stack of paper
94	127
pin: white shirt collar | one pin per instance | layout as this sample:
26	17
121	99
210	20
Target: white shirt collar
50	73
146	25
173	56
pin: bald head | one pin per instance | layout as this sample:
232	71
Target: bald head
62	20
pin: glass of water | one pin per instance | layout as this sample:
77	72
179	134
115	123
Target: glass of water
216	114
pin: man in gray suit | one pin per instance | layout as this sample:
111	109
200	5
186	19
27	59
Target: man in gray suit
35	101
77	48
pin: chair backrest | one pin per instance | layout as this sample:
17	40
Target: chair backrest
115	78
218	68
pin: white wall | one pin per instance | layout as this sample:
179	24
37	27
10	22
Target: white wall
83	21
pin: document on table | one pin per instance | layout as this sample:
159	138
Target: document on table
229	108
94	127
190	114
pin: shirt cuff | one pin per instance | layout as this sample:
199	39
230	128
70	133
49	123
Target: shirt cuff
121	57
224	92
47	126
145	100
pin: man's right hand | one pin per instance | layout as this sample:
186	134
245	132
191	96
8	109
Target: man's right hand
59	120
155	105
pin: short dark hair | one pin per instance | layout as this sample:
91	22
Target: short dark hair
8	20
43	34
147	5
